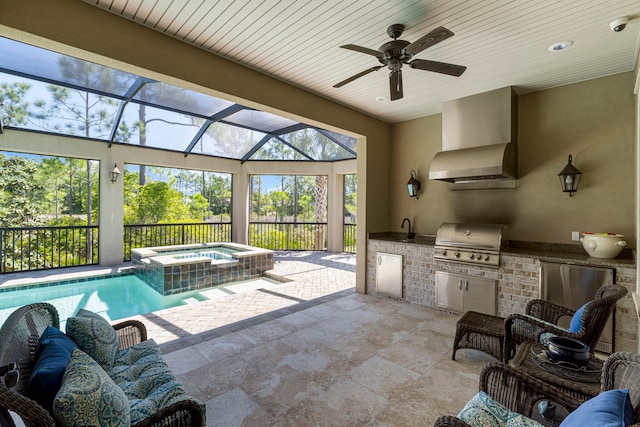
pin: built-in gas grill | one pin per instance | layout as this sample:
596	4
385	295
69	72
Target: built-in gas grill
478	244
458	287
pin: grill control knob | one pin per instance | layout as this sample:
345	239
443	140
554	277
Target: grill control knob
472	256
443	252
486	257
456	254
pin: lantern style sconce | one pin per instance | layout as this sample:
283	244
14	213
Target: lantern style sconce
114	173
413	186
569	178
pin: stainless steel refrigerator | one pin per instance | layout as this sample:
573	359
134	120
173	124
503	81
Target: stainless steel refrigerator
573	285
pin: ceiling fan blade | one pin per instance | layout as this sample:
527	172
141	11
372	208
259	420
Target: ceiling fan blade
438	67
395	83
361	49
357	76
434	37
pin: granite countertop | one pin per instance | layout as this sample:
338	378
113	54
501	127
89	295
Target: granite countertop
553	252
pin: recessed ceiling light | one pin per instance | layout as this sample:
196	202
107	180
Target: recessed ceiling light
382	98
557	47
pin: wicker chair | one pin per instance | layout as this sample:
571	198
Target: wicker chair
542	316
18	339
522	393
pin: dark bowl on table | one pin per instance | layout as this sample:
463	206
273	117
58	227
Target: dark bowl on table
568	350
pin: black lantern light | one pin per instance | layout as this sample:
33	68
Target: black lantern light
413	186
114	173
569	178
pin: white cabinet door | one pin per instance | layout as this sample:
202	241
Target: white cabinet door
465	293
480	295
449	291
389	274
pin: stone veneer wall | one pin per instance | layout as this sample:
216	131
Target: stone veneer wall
418	276
518	282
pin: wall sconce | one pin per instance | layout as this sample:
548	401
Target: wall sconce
413	186
569	178
114	173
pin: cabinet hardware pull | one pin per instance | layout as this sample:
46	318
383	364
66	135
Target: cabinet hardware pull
460	284
466	285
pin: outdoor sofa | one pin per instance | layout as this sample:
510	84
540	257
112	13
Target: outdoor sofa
112	376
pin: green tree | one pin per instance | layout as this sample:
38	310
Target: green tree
350	196
157	202
218	193
17	185
280	200
15	108
198	206
52	173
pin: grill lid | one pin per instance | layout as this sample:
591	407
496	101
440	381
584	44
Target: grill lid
482	237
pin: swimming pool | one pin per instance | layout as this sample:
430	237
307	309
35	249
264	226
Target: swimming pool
113	297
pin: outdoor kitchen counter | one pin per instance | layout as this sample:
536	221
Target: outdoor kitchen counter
551	252
518	276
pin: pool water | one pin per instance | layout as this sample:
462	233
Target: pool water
115	297
215	252
208	254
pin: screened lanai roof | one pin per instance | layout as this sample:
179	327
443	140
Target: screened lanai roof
46	91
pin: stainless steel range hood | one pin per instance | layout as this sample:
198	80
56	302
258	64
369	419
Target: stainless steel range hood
479	139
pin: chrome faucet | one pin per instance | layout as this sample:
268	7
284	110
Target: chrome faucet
410	234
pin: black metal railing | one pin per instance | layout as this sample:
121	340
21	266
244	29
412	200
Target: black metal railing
349	242
41	248
289	236
147	235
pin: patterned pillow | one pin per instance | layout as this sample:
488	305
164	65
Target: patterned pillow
95	336
483	411
88	397
517	420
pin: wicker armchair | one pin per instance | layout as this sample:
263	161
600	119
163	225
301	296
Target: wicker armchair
622	370
521	393
18	339
542	316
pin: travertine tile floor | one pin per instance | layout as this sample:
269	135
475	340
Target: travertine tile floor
312	352
353	361
323	356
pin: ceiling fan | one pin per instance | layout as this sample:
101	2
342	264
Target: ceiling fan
397	52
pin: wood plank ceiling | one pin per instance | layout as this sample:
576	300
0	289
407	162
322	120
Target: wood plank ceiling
502	43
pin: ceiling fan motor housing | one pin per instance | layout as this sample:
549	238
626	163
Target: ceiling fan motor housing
394	50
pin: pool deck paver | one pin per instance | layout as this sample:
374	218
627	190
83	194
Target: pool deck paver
309	277
313	278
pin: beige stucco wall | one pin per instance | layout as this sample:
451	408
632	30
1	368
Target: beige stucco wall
594	121
84	31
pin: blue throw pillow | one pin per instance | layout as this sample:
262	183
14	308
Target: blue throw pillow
52	355
608	409
54	334
576	320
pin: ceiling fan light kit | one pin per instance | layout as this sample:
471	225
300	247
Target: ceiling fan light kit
395	53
